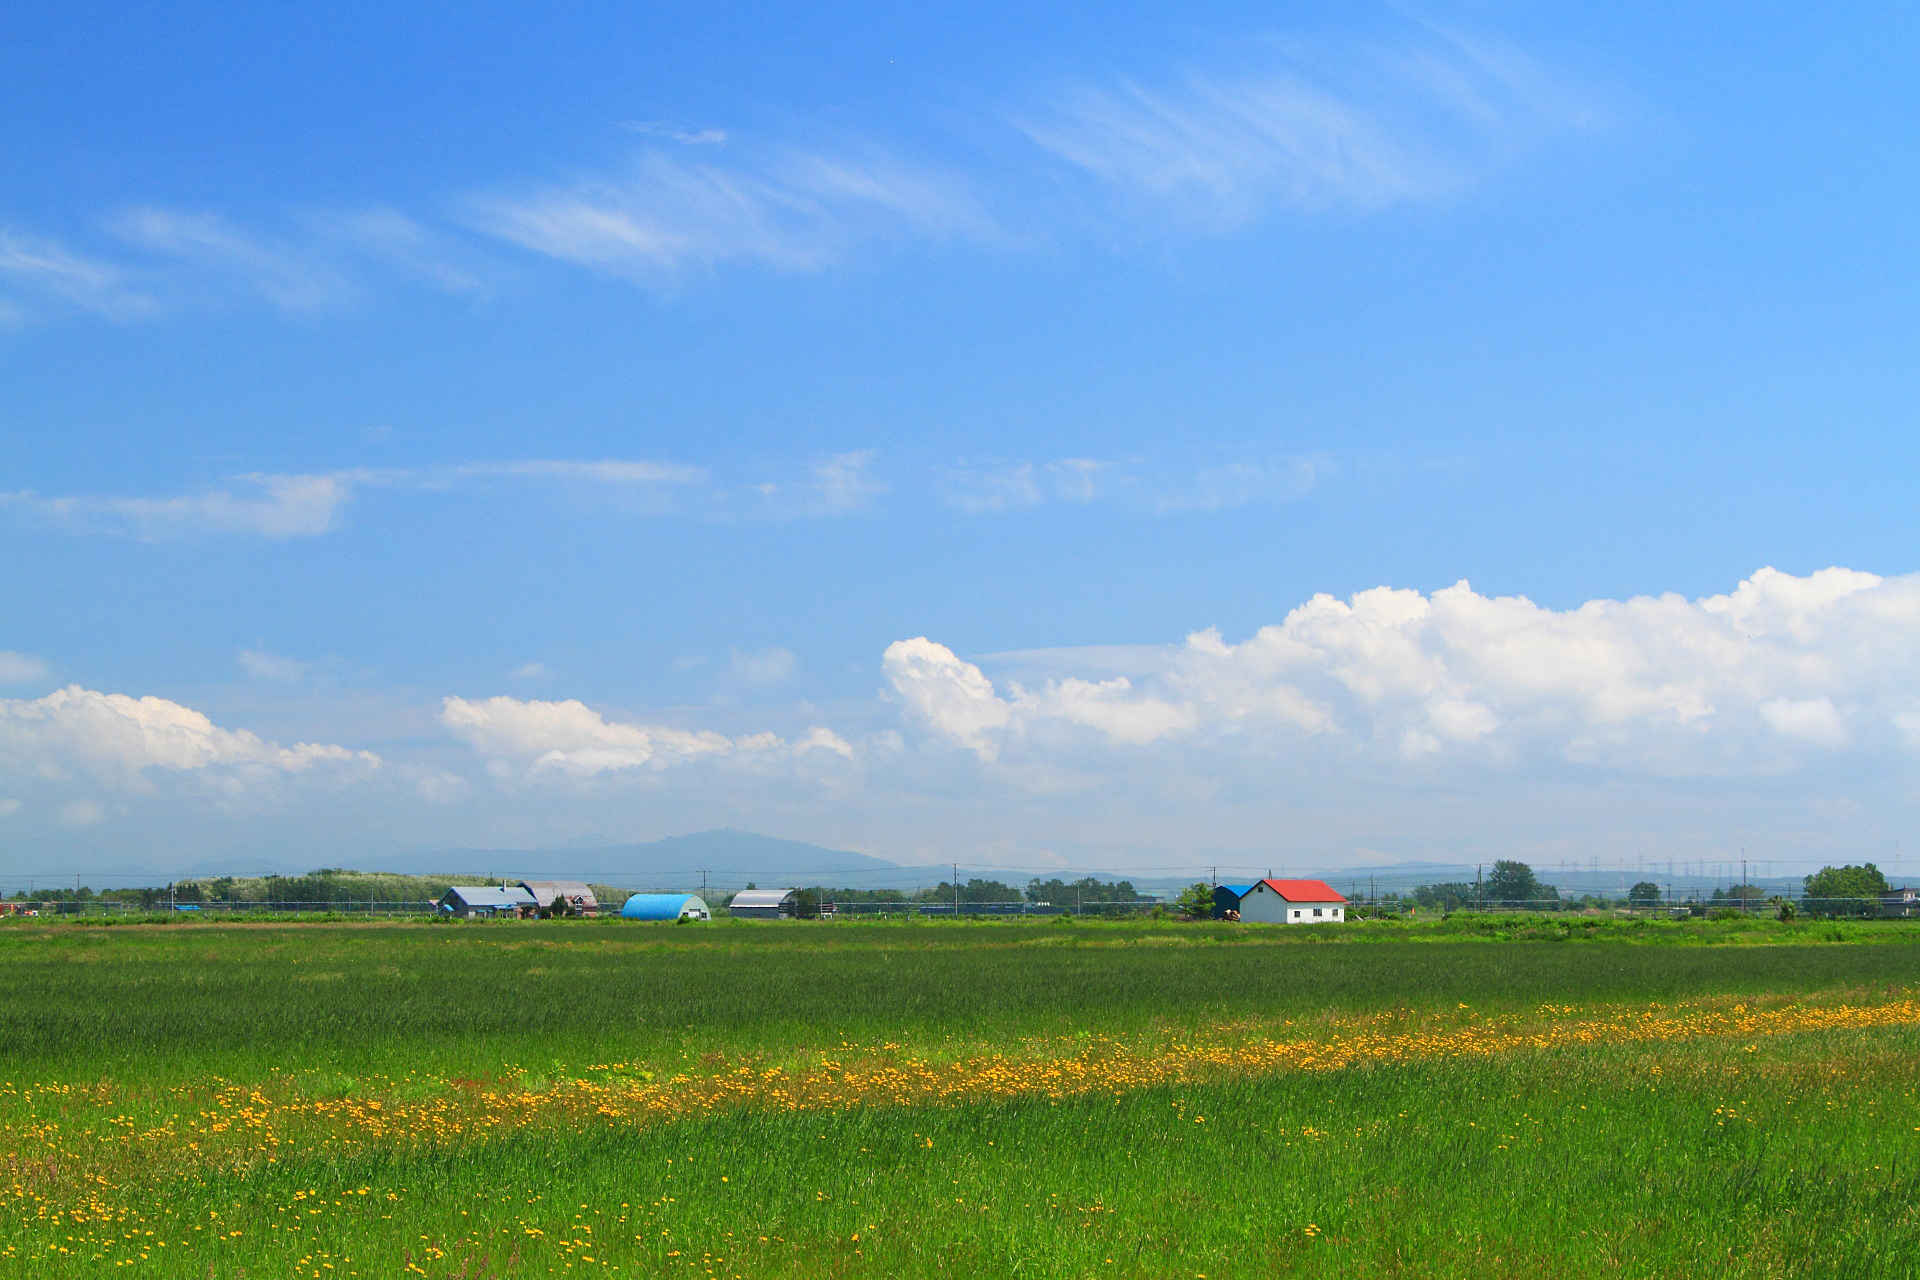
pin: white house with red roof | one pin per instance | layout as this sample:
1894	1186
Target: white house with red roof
1292	902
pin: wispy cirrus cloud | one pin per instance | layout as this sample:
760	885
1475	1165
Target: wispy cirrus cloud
40	272
668	211
1275	124
1307	126
152	261
1147	486
302	506
268	506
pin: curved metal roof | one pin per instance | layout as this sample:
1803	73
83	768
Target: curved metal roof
761	898
661	906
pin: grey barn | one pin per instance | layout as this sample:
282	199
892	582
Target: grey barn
762	904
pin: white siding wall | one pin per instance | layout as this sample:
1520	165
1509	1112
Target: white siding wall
1264	906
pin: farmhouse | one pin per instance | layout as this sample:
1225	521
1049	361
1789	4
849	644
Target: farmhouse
1226	897
573	895
469	901
1900	903
664	906
1292	902
763	904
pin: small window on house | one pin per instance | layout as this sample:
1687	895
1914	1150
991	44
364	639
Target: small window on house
1316	911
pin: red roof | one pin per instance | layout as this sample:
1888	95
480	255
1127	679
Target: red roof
1304	890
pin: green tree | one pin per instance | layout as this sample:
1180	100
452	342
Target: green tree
1645	894
1063	893
1195	901
1513	884
1443	897
1845	891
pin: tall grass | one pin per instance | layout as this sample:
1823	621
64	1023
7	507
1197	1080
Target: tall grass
1782	1155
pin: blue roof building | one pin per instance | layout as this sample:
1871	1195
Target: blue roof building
665	906
1226	897
470	901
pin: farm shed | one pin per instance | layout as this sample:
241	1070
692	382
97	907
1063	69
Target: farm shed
1226	897
665	906
1900	903
579	899
763	904
1292	902
470	901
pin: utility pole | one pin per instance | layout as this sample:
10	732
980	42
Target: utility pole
1479	895
956	891
703	884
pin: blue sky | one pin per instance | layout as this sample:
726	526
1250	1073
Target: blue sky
644	381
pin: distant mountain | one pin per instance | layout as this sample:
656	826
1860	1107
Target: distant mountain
724	855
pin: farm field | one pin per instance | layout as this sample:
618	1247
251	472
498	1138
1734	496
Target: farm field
951	1099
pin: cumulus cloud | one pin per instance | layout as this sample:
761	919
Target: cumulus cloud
570	739
1750	680
118	738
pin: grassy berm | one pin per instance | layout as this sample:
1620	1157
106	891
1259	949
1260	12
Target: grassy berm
956	1100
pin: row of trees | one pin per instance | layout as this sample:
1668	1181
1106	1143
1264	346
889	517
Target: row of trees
1849	890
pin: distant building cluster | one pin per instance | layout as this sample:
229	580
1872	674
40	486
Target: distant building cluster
523	900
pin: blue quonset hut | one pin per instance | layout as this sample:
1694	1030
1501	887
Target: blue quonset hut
665	906
1226	897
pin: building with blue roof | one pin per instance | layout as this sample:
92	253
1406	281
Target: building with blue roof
665	906
1226	897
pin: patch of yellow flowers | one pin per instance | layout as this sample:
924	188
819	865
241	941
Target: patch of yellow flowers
71	1134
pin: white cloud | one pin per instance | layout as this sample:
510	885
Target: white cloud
47	270
686	137
262	665
8	808
293	506
531	671
292	277
118	738
1308	127
1811	720
1657	685
840	485
668	212
762	666
1139	485
21	668
958	700
268	506
570	739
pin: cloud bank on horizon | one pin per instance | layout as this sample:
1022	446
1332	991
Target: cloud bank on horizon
1738	683
1387	691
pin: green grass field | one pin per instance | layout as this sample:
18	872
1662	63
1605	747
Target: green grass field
949	1099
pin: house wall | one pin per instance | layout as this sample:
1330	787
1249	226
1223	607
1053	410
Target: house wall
1264	906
